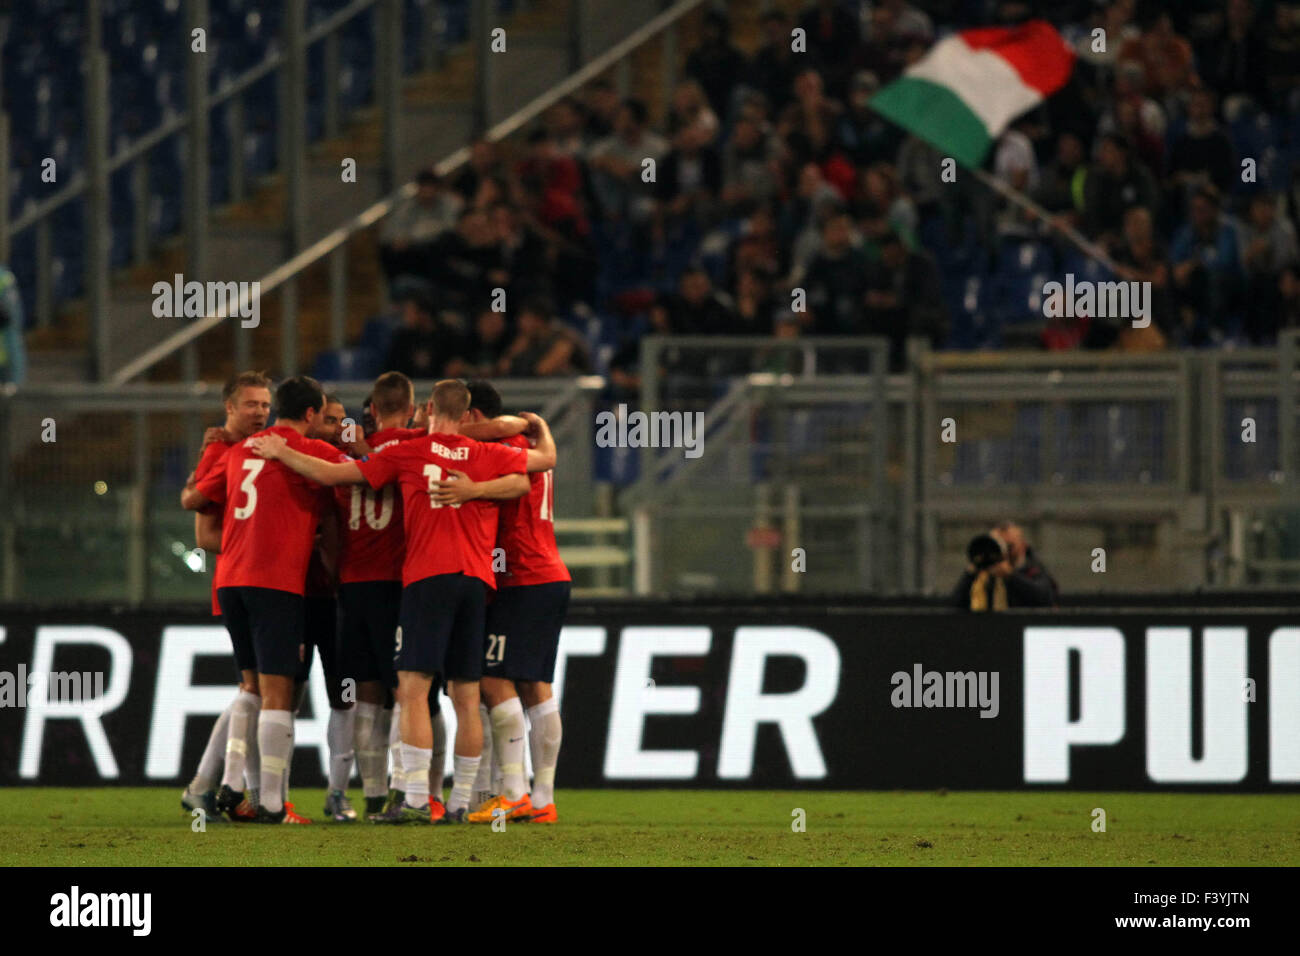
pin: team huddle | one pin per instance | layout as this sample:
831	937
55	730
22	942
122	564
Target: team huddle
418	558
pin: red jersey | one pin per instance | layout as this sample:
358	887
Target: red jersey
526	531
374	545
211	460
269	526
441	539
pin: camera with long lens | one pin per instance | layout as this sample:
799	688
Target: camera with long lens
984	551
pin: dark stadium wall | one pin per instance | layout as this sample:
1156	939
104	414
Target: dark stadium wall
728	696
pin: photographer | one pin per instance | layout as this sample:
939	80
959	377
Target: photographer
1003	572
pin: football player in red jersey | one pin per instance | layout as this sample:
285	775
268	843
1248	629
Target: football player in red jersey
270	510
370	586
523	633
247	399
446	573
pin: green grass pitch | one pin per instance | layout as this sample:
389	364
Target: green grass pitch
146	827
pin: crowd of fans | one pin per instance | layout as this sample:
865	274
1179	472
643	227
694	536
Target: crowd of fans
774	202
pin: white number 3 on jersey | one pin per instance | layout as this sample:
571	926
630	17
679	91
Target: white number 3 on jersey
254	468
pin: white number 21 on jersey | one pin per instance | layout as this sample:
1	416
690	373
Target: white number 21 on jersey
254	468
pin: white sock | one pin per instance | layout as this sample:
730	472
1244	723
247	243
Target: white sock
544	740
209	772
396	780
275	739
462	781
371	756
483	779
253	761
508	746
415	761
438	763
338	733
242	726
288	761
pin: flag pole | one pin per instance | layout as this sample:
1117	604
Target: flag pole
1085	245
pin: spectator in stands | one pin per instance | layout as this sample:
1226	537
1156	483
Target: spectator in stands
1268	248
544	346
410	231
424	346
699	309
715	64
616	164
750	165
757	245
1203	154
1060	188
753	304
775	64
552	184
1164	57
903	299
13	351
803	218
1207	269
832	34
1115	183
1136	117
1281	66
466	262
883	208
893	30
488	345
807	126
862	134
1141	258
1018	579
1230	62
484	161
837	280
625	364
523	256
690	109
690	180
491	191
566	125
601	106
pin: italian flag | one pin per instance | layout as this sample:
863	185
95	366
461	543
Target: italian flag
961	95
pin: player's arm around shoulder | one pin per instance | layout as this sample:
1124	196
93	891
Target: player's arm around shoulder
275	448
542	456
455	488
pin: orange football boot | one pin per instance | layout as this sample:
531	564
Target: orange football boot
546	814
519	811
291	817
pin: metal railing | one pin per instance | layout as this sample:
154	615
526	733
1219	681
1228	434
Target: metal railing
334	244
92	477
1144	456
285	64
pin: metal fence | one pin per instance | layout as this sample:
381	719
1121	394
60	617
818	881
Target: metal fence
882	479
1180	467
93	477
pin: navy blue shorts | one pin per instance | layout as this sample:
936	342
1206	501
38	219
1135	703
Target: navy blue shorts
321	633
523	631
441	627
265	626
368	618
